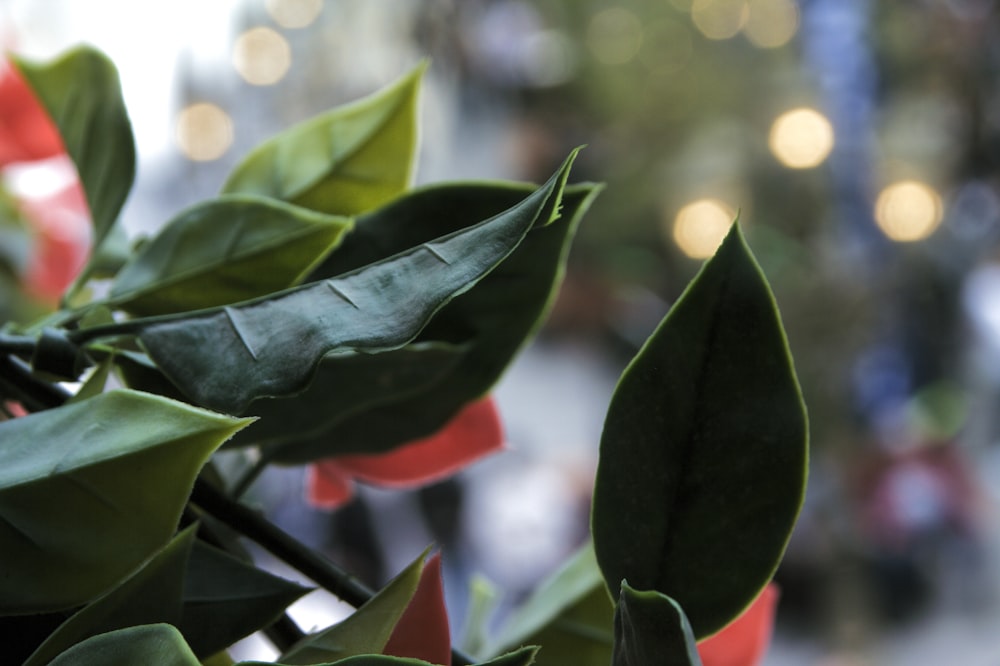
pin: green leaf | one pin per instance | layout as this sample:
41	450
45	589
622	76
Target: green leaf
89	490
494	319
225	250
81	92
346	383
650	628
570	615
367	630
226	600
159	644
227	357
704	453
344	162
150	595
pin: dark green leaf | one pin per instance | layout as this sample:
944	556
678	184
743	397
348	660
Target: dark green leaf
704	452
159	644
349	160
227	357
150	595
570	615
650	628
226	600
367	630
91	489
348	382
81	92
229	249
494	318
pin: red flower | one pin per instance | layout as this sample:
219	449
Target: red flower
744	641
26	131
422	631
473	433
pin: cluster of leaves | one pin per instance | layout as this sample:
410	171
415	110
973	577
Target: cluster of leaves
320	307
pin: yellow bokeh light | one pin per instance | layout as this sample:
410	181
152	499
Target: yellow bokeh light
700	227
294	13
720	19
614	36
262	56
204	132
771	23
908	211
801	138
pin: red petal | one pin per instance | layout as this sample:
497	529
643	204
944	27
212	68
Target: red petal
26	131
422	631
327	485
744	641
473	433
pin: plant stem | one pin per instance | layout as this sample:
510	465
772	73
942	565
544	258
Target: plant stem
282	545
252	473
35	394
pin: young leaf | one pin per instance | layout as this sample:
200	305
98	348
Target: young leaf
159	644
226	600
151	594
367	630
570	615
650	628
229	249
495	318
704	452
91	489
349	160
81	92
227	357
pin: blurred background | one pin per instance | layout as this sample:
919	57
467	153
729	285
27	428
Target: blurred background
857	140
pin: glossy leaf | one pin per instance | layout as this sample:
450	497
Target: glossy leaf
367	630
159	644
226	600
89	490
495	318
650	628
422	630
81	92
744	641
346	161
150	595
704	452
225	358
346	383
570	615
475	432
225	250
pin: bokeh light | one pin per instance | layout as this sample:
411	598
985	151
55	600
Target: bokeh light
294	13
262	56
908	211
204	132
614	36
771	23
801	138
700	226
720	19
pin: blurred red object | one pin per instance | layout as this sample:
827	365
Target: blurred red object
61	223
744	641
26	131
473	433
